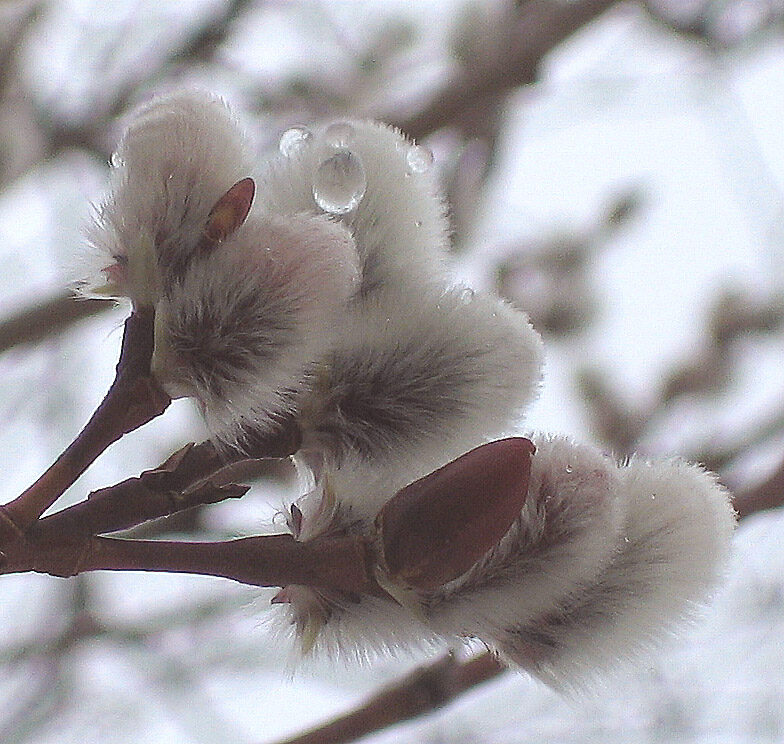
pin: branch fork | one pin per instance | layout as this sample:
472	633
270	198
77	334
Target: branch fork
73	540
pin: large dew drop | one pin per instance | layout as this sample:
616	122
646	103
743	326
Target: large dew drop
339	182
294	140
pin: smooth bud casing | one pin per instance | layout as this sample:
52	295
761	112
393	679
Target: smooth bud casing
436	528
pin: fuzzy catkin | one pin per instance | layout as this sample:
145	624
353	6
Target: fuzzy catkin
604	562
243	329
241	321
400	224
418	375
178	155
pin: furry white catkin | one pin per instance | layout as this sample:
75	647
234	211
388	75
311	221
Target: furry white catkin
603	563
244	302
315	287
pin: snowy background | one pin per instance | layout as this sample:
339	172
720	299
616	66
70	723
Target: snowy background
630	199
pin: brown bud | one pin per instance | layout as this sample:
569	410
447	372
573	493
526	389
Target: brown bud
436	528
229	212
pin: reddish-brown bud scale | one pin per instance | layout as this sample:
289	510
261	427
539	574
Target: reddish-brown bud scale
229	212
436	528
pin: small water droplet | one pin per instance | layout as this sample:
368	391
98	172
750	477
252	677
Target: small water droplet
340	134
418	223
116	161
294	140
467	296
339	182
569	469
418	159
626	539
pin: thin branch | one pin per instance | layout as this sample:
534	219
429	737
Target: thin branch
201	46
133	399
424	690
694	26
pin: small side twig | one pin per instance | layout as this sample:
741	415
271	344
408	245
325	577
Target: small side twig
51	316
134	398
195	475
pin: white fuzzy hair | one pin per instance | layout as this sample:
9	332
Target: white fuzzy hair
179	154
673	546
400	224
604	563
242	330
418	376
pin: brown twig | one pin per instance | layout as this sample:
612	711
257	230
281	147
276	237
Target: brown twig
202	44
134	398
424	690
267	560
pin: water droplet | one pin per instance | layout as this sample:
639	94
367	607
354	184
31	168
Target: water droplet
418	223
116	161
626	539
418	159
569	469
467	296
340	134
294	140
339	182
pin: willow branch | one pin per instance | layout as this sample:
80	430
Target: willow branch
202	45
266	560
134	398
195	475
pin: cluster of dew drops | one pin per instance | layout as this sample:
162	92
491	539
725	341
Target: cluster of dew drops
339	180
